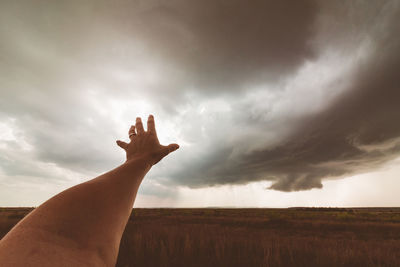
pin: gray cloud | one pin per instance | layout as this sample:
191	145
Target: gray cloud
52	52
233	78
229	44
212	46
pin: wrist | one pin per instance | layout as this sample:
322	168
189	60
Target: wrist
139	162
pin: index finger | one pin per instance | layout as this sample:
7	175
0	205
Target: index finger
151	127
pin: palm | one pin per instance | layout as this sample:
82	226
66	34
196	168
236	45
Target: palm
145	144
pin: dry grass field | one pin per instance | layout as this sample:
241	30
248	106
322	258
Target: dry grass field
254	237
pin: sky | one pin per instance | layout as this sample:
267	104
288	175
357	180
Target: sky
273	103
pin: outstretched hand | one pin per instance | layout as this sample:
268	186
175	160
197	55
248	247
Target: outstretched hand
144	145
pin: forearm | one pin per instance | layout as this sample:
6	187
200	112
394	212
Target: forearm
82	226
101	203
91	215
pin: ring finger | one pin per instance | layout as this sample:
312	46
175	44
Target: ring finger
132	132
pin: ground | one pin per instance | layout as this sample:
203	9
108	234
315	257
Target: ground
254	237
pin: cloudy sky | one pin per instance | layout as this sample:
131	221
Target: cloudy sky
274	103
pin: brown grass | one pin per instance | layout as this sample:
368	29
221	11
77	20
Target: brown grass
255	237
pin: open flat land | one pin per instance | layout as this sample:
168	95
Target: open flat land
254	237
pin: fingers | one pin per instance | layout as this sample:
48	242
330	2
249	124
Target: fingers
151	127
139	126
132	132
122	144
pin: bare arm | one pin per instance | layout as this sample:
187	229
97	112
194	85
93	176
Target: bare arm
83	225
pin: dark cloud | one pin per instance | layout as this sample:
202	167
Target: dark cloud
211	46
228	44
358	132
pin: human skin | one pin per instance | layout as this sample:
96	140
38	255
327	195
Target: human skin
83	225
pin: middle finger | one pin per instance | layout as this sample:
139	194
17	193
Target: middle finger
139	126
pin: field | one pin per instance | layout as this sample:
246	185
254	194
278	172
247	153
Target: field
254	237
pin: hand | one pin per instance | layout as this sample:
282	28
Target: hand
144	145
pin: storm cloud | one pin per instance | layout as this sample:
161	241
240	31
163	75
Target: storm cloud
283	91
357	132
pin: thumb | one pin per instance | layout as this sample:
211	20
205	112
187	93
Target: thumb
122	144
168	149
172	147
